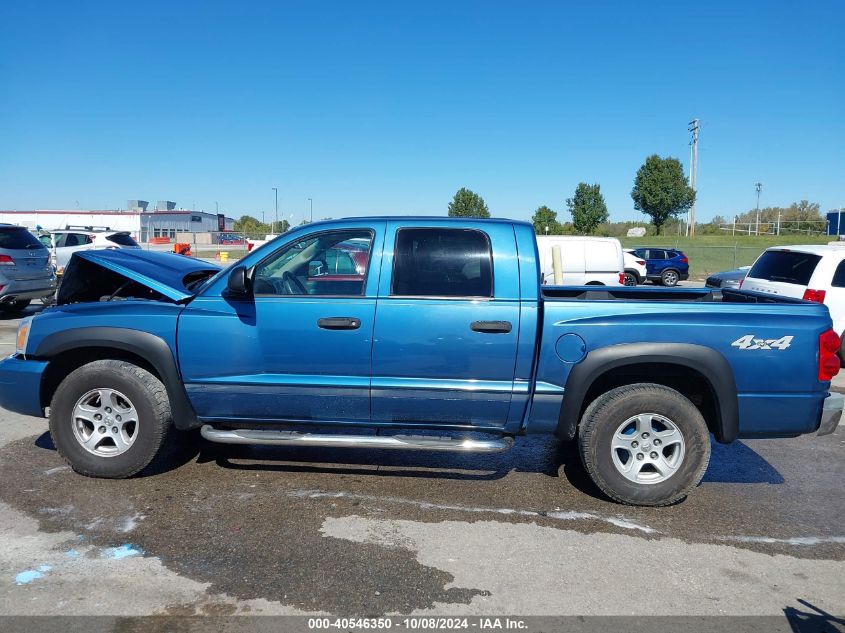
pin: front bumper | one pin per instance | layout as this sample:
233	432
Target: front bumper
20	385
831	412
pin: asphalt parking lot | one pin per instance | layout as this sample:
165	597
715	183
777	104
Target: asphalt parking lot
237	530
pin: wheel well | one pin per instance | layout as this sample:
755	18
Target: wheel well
64	363
594	283
687	381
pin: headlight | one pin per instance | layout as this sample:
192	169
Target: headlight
23	336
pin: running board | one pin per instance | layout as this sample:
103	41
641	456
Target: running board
403	442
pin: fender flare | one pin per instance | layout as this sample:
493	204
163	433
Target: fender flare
153	349
706	361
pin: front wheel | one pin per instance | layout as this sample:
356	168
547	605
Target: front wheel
644	444
631	279
110	419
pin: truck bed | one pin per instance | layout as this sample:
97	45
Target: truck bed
686	295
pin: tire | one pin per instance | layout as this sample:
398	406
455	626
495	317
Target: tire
631	279
113	455
15	306
670	277
606	423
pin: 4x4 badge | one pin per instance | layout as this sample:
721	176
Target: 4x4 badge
749	341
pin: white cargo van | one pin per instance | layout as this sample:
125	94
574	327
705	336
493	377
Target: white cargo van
587	261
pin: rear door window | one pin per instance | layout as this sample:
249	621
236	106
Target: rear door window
18	238
789	267
442	263
77	239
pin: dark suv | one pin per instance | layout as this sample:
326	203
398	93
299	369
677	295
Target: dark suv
665	266
25	269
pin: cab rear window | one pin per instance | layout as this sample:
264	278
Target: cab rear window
16	238
789	267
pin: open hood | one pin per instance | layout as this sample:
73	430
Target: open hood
106	274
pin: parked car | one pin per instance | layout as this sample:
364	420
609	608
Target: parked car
728	279
25	269
586	261
444	327
810	272
666	266
66	242
232	239
635	268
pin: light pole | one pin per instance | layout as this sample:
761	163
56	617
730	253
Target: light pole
759	187
311	202
276	191
547	230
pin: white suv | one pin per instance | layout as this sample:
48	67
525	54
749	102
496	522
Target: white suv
635	269
67	241
809	272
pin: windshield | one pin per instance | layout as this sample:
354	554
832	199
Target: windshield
791	267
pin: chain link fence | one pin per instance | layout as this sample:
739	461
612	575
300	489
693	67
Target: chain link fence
706	260
205	245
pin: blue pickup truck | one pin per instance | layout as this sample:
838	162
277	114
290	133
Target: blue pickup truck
416	334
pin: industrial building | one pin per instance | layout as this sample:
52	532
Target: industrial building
164	221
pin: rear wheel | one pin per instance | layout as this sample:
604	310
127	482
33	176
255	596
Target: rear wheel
110	418
644	444
669	277
631	279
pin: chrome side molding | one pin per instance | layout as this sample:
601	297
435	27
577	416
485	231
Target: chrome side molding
402	442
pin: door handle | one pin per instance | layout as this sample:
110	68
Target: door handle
339	323
491	327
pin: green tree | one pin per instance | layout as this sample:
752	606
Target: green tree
279	227
468	204
249	224
545	221
587	207
661	190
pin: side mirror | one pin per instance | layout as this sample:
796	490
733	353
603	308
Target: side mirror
315	269
239	282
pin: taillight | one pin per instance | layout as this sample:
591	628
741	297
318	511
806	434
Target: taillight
684	259
828	359
5	260
814	295
621	279
641	262
249	246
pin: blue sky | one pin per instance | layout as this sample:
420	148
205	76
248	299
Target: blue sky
390	107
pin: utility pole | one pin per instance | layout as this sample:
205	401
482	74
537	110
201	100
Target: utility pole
759	187
276	191
694	127
312	208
